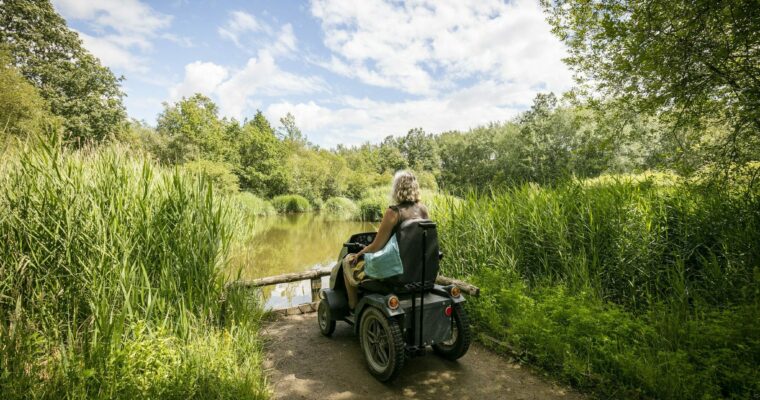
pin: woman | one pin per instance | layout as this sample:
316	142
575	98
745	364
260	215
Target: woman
405	193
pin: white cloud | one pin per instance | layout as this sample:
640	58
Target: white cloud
239	23
467	63
123	29
239	92
110	53
200	77
253	35
429	46
128	17
357	120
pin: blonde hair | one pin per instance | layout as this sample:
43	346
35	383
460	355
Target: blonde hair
405	187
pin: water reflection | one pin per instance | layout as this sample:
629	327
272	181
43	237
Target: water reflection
291	243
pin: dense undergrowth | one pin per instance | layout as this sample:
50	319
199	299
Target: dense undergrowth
627	288
110	282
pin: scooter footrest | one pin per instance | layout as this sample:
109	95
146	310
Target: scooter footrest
415	351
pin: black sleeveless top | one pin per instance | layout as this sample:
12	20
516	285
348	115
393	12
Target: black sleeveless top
409	210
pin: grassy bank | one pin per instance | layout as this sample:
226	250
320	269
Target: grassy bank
633	288
110	282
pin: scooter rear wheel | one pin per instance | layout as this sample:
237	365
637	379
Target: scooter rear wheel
459	343
382	345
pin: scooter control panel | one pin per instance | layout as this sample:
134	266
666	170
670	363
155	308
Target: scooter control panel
365	238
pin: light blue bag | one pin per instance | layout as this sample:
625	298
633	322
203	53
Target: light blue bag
384	263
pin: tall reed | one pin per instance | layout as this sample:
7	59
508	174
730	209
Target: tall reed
624	285
105	260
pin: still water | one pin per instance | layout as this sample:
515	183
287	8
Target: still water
292	243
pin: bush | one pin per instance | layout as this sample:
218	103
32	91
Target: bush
291	203
220	174
251	205
317	204
341	208
22	109
372	208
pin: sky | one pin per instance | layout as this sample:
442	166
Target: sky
349	71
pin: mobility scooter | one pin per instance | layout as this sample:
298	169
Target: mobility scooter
399	317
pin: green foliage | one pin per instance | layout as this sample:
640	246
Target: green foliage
142	138
51	57
22	110
633	285
695	63
291	203
551	143
341	208
372	207
316	174
262	158
251	205
192	129
218	174
111	282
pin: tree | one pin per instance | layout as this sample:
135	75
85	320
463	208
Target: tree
290	132
193	129
22	109
262	158
695	62
390	157
420	150
72	81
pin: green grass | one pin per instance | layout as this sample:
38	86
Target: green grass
291	203
340	208
625	287
110	282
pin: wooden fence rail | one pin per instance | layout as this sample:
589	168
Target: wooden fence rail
316	275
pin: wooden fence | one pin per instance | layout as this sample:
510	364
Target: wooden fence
315	276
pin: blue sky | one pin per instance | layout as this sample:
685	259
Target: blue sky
350	72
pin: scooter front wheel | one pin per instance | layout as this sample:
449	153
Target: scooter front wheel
326	324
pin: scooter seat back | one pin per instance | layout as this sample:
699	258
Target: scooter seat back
418	240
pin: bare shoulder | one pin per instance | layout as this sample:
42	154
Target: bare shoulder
390	215
423	210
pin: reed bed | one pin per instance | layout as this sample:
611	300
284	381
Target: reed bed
626	287
110	282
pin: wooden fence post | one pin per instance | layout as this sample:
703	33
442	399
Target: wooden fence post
316	285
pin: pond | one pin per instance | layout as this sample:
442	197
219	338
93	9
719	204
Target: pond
292	243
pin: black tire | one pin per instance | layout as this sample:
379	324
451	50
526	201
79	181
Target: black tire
382	345
459	343
326	324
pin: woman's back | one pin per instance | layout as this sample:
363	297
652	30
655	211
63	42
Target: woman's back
410	210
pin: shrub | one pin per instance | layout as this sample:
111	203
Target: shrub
372	208
219	174
291	203
22	109
317	204
251	205
341	208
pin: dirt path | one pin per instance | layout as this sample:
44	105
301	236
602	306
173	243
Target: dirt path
303	364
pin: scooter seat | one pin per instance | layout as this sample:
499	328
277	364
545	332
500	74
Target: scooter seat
376	286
